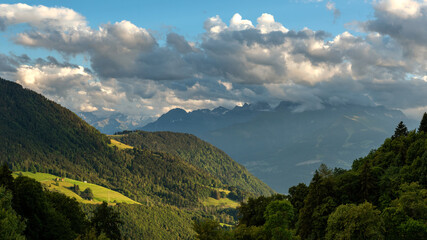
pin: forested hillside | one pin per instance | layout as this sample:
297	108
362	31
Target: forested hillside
200	154
40	135
383	196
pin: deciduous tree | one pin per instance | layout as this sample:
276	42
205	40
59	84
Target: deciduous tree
106	220
355	222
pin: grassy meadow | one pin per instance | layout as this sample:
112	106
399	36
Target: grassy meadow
64	185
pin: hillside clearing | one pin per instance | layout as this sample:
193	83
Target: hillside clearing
223	202
119	145
64	185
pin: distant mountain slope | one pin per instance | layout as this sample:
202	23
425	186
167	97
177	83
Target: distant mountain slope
39	135
199	153
282	146
201	121
111	122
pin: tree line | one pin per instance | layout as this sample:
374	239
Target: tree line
28	211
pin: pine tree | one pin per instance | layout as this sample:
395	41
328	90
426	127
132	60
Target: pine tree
401	130
423	124
318	204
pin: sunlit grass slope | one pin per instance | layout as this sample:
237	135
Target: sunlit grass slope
119	145
64	186
223	203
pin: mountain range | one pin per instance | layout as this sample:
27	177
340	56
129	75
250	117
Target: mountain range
111	122
282	145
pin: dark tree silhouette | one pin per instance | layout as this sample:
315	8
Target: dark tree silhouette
87	194
423	124
106	220
6	178
401	130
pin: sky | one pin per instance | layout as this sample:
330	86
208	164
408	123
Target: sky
143	58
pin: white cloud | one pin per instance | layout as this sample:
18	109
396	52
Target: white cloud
86	107
72	87
266	24
238	24
227	85
40	17
108	109
401	8
214	25
51	79
404	21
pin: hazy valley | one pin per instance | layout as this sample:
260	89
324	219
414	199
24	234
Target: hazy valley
283	146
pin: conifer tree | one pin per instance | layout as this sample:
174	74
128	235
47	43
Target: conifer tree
423	124
401	130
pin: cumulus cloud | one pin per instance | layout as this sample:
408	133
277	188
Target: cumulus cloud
403	21
234	62
40	17
405	9
266	24
269	53
237	23
51	79
68	84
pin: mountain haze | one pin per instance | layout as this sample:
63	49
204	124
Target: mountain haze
110	123
283	146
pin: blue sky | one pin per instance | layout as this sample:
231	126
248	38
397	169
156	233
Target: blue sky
187	17
143	58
